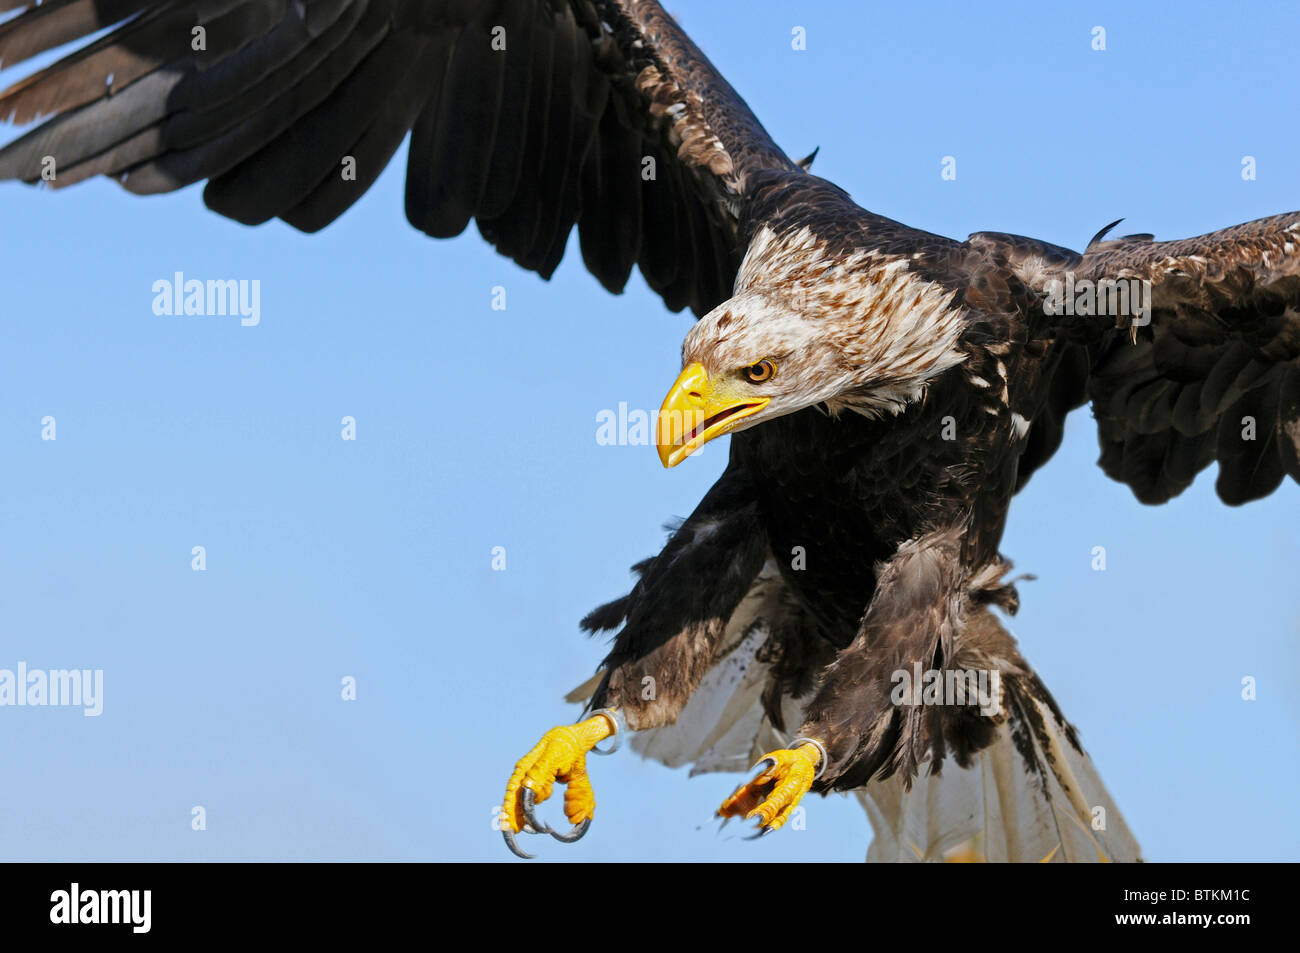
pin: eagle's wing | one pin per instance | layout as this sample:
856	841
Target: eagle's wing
1215	376
529	116
1218	377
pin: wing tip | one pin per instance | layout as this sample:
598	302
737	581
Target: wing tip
1096	239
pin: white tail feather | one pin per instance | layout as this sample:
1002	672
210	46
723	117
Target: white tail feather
1001	809
717	728
723	727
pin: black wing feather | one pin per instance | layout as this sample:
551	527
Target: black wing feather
1213	376
530	140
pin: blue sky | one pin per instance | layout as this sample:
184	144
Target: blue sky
477	428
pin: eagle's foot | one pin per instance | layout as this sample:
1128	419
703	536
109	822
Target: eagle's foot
784	777
561	756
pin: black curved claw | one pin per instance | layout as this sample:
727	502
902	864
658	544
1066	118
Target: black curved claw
767	764
515	849
530	805
761	832
573	835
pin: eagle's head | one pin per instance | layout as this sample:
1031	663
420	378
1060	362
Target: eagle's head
751	359
761	355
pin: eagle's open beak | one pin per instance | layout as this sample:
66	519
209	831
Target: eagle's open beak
696	410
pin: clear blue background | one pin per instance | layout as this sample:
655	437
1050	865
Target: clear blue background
476	429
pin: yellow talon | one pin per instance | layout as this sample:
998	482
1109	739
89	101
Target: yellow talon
561	756
772	796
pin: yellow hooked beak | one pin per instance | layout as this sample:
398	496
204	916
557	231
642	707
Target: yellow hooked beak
697	409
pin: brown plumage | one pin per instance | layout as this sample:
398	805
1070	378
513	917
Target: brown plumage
920	381
528	140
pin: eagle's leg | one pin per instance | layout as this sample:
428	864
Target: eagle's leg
561	756
862	714
668	628
784	777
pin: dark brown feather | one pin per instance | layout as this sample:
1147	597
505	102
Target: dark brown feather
284	90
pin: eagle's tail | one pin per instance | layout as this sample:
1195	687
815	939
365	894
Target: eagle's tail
1032	795
1028	798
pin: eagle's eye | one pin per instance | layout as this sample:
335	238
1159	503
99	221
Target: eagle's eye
760	372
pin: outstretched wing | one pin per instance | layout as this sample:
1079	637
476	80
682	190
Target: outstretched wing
1211	373
1218	377
528	116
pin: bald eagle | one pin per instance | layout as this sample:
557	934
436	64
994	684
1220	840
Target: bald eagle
888	391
